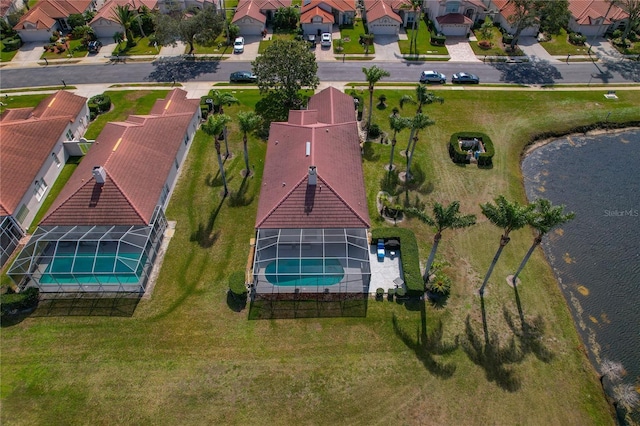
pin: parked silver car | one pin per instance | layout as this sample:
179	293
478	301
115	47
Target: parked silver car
432	77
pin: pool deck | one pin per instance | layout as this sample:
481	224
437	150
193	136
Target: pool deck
383	273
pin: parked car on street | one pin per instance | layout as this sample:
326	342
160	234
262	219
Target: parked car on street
238	45
242	76
94	46
325	40
432	77
463	77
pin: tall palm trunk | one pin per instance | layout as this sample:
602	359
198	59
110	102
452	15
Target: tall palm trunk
246	153
536	243
393	147
370	109
432	256
221	165
224	135
504	240
410	155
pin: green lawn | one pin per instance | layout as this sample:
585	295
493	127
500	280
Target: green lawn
216	47
185	357
559	45
497	48
423	42
76	49
124	103
6	56
350	36
264	43
142	47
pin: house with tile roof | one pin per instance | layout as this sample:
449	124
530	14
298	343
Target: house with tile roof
33	150
47	16
252	16
319	16
595	17
105	23
504	9
386	17
455	18
166	6
7	7
312	217
103	231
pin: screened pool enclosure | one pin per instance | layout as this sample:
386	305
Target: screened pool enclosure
87	258
311	261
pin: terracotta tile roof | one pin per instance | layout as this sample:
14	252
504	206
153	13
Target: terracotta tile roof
272	4
585	12
341	5
5	5
45	12
307	16
454	18
379	9
137	156
29	135
248	9
107	11
338	200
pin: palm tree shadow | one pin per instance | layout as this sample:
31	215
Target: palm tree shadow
491	356
529	333
203	235
238	198
426	346
216	181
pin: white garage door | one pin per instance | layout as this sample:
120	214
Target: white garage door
455	30
384	29
249	26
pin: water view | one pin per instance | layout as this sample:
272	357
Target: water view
596	257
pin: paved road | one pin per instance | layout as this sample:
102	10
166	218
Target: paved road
538	72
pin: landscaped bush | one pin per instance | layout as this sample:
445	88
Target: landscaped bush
374	131
409	256
102	101
440	284
438	39
11	44
484	44
507	38
577	39
460	156
379	293
237	285
11	302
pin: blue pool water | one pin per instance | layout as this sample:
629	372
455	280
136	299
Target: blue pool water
305	272
108	269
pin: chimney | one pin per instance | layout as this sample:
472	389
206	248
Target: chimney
313	178
99	174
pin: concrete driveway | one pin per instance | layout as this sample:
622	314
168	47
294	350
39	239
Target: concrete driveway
251	46
387	48
460	50
29	52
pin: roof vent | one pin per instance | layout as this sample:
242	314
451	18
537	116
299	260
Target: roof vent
313	177
308	149
99	174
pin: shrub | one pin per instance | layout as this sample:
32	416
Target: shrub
577	39
102	101
12	44
438	39
53	39
507	38
237	285
390	293
460	156
374	131
379	293
389	183
93	109
616	34
26	299
440	284
484	44
409	256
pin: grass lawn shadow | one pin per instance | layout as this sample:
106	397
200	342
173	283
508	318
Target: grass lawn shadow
318	308
426	345
203	235
88	304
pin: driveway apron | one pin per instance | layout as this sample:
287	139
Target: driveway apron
460	50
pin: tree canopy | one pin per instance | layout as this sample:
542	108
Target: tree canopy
285	67
202	27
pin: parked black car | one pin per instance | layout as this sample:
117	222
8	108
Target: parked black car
463	77
94	46
242	76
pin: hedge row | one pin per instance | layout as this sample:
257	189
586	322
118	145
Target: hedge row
410	257
460	156
99	104
11	44
26	299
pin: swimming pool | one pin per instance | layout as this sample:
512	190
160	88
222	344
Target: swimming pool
305	272
88	269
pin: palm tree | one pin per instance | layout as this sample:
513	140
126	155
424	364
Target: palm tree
543	219
373	75
419	122
508	216
416	8
249	121
397	124
443	218
220	99
125	17
212	127
423	97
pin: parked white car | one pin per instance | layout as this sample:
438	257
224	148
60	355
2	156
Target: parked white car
325	41
238	45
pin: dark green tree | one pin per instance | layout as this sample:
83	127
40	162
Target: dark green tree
508	216
76	20
202	27
124	16
526	13
286	18
632	7
554	16
285	67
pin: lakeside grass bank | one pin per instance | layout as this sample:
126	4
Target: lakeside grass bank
184	356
